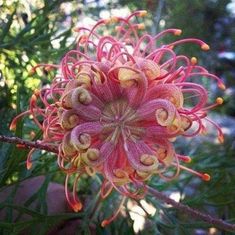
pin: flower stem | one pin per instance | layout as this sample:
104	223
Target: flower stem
219	223
28	144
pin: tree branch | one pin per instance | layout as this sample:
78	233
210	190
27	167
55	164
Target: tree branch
219	223
28	144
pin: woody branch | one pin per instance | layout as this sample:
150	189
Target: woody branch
219	223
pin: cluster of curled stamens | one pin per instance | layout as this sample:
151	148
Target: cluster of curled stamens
117	104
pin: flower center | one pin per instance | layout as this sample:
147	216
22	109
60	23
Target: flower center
120	122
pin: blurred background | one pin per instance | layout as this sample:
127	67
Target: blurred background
36	31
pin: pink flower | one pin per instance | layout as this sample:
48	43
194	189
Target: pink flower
118	103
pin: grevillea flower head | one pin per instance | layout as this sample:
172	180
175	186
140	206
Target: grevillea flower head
117	104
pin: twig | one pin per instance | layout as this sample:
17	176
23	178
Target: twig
184	208
219	223
28	144
157	17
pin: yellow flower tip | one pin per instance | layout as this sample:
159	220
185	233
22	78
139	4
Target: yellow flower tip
111	20
76	29
118	28
141	26
20	146
205	47
142	13
29	165
104	223
13	126
206	177
178	32
221	139
171	47
33	98
221	86
83	39
219	100
77	207
193	60
188	159
36	92
48	68
31	71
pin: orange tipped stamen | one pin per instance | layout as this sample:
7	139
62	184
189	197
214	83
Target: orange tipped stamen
219	100
73	202
206	177
193	60
13	124
16	119
33	98
184	158
32	71
29	165
36	92
83	39
118	28
104	223
77	207
28	161
48	68
141	26
205	47
178	32
114	216
142	13
111	20
221	138
203	176
20	146
221	86
77	29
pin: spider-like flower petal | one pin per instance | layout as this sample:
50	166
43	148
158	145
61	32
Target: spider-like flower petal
118	103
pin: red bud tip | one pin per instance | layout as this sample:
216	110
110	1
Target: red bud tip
111	20
221	139
142	13
141	26
33	98
20	146
206	177
178	32
32	71
48	68
77	207
77	29
29	165
13	126
205	47
118	28
221	86
104	223
36	92
188	159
